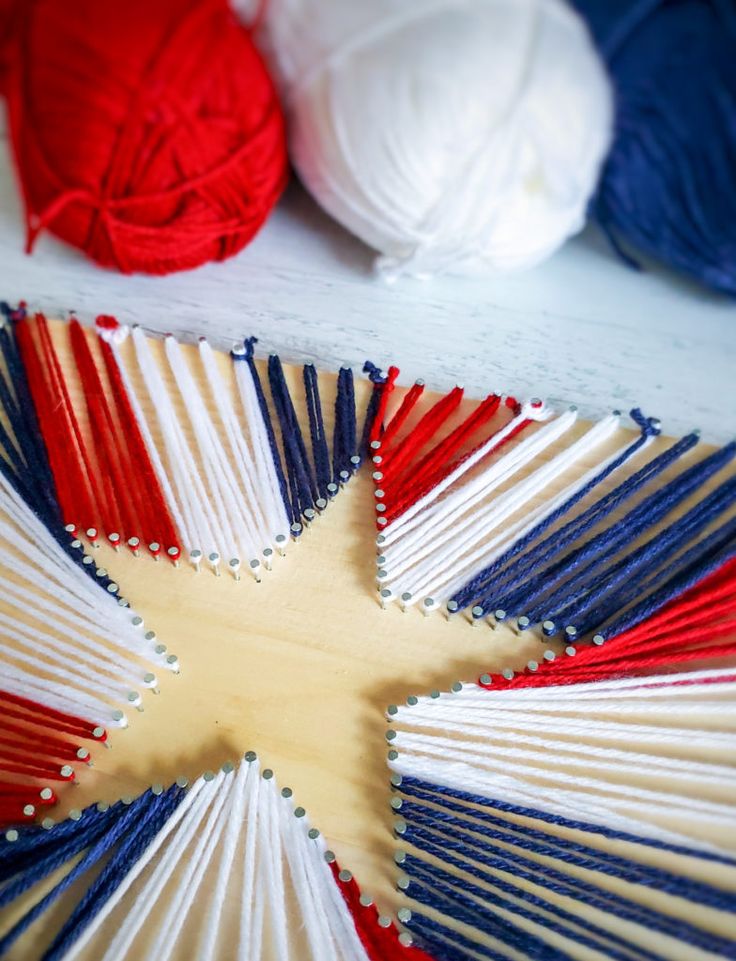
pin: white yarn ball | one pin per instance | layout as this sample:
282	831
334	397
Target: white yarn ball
447	134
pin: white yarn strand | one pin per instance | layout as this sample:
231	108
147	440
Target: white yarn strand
267	481
201	526
490	743
235	840
242	457
445	556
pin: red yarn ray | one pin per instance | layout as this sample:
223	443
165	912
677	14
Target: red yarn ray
162	148
408	470
396	458
84	501
446	457
380	944
154	517
38	746
30	712
121	519
699	626
409	401
72	490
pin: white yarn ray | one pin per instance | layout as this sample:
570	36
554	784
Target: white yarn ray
223	488
235	815
241	454
491	550
407	521
265	471
446	512
195	865
541	768
201	527
491	743
56	573
55	694
68	644
235	841
495	741
435	559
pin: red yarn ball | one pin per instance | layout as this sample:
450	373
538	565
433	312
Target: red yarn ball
146	132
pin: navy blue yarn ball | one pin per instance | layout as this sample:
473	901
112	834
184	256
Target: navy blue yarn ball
668	189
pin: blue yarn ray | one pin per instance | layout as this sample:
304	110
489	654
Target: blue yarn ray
523	837
453	831
376	377
412	785
302	486
320	449
484	588
571	570
129	851
344	437
118	836
669	582
641	562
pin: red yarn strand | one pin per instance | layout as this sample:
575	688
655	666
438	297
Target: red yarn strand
120	518
380	944
699	626
157	522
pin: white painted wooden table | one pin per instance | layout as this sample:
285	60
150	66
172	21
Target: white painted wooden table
582	328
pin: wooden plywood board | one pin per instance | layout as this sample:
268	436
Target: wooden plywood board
298	668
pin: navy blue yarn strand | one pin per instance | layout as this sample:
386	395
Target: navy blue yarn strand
32	477
575	528
35	843
320	450
553	880
435	938
602	545
564	850
456	904
704	555
129	851
376	377
646	558
649	427
410	785
344	435
301	481
25	422
40	867
249	346
130	814
565	922
672	589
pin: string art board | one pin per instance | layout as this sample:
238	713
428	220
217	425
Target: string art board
511	721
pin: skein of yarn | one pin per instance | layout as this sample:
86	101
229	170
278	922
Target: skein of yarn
669	185
450	135
148	134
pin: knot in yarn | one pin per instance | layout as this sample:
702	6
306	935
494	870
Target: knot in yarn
449	135
147	134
